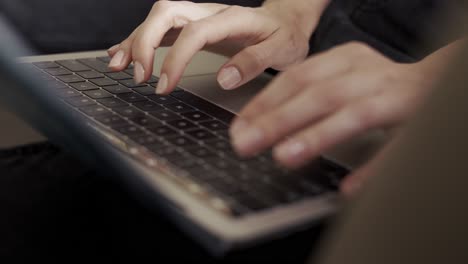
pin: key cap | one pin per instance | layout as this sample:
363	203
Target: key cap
130	83
148	106
196	116
146	90
55	84
179	107
73	65
165	115
131	97
103	81
118	76
163	131
70	78
112	102
182	124
90	74
111	120
117	89
145	139
80	101
161	99
84	86
67	93
98	94
129	130
96	64
105	59
181	141
200	134
58	71
46	64
95	110
129	111
147	121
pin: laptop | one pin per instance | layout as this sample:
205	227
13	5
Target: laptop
172	151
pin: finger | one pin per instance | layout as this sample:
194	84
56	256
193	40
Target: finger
164	16
248	63
232	22
351	121
121	56
320	68
112	50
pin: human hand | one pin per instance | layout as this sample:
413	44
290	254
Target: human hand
326	100
268	36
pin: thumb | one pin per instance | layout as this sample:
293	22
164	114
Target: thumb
246	65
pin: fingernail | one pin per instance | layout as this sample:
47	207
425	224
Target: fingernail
113	48
248	140
291	150
162	84
229	77
238	127
139	73
117	59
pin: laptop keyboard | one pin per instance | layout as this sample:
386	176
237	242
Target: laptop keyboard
190	134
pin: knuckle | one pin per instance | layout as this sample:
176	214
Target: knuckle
259	58
161	5
368	113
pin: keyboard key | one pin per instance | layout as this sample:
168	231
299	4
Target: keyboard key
84	86
201	152
112	102
183	124
220	145
184	162
129	111
163	150
98	94
103	81
161	99
181	141
145	139
58	71
146	90
129	130
105	59
90	74
96	64
179	107
148	106
95	110
73	65
131	97
117	89
221	163
196	116
146	121
129	71
163	131
70	78
204	106
80	101
111	120
214	125
118	76
130	83
55	84
165	115
67	93
200	134
46	64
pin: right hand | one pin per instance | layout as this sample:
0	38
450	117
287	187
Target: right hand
271	36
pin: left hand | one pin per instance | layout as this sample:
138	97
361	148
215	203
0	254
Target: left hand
326	100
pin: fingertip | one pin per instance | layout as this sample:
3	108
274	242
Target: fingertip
229	78
139	72
112	50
